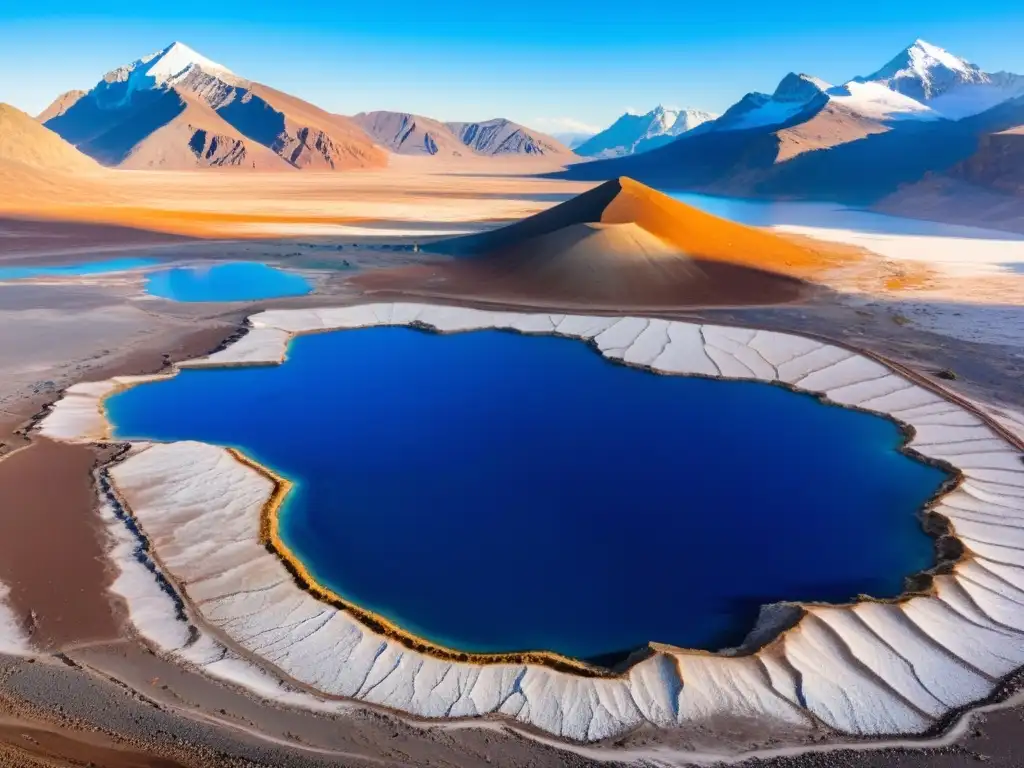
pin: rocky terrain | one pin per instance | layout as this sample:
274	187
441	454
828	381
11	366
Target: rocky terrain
409	134
177	109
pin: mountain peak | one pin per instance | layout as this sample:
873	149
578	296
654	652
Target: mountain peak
799	88
176	60
924	55
923	71
634	132
162	69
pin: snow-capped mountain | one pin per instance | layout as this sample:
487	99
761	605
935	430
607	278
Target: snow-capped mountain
856	142
178	109
924	82
949	85
162	69
634	133
794	95
923	71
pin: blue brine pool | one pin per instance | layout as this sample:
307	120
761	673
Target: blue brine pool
497	492
233	281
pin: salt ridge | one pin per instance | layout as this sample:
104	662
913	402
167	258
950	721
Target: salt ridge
872	668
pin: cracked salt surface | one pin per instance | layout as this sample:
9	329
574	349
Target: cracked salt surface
898	668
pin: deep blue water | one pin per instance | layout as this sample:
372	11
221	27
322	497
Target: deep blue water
72	270
232	281
496	492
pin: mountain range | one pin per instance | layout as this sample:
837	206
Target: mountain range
923	113
633	133
926	125
408	134
176	109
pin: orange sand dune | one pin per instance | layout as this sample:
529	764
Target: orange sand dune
28	143
617	246
692	232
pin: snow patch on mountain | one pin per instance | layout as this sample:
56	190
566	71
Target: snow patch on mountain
162	69
924	71
634	133
875	101
794	94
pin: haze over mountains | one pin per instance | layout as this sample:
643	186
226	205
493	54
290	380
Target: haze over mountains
922	113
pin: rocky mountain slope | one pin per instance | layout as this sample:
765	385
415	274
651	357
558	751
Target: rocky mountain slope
998	163
178	109
503	137
984	189
409	134
60	105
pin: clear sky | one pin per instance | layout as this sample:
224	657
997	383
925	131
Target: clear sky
547	64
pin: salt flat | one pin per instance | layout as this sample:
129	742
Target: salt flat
988	252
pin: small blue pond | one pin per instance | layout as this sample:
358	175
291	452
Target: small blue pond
498	492
227	281
234	281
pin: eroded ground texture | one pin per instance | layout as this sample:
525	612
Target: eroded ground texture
205	591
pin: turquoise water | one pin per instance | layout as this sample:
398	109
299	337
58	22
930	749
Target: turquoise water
233	281
74	270
498	492
229	281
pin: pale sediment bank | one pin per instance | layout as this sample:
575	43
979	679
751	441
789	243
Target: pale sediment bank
13	638
966	253
203	588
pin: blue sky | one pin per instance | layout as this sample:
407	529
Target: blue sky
548	65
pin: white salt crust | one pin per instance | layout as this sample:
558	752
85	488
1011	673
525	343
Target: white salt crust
865	669
13	637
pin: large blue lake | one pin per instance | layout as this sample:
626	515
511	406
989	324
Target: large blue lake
497	492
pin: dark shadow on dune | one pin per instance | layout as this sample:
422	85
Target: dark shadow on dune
506	281
585	207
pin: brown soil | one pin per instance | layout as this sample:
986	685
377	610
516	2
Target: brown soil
25	236
50	552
